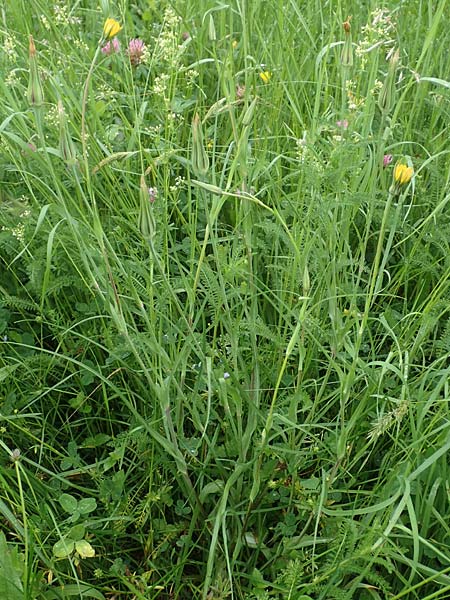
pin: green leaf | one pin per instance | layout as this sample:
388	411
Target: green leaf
63	548
77	532
98	440
66	463
84	549
437	81
5	372
11	571
68	502
75	516
79	590
87	505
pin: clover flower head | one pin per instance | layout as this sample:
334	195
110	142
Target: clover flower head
136	49
342	124
111	47
387	159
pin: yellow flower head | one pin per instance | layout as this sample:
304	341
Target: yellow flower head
111	28
402	174
265	76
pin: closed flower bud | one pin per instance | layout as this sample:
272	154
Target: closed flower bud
211	29
35	94
199	157
386	98
248	115
146	218
347	51
66	146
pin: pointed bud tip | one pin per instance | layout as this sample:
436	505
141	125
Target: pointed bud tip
32	47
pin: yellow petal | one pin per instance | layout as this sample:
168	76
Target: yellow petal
408	174
111	28
403	174
265	76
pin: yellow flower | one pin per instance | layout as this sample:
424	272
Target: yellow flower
111	28
402	174
265	76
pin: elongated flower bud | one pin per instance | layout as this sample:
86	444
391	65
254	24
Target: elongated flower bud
146	218
347	51
248	115
386	98
66	146
35	94
199	157
211	29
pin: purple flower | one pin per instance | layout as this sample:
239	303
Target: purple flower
240	91
111	47
387	159
343	124
226	375
152	194
136	49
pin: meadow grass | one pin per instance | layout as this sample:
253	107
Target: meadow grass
225	339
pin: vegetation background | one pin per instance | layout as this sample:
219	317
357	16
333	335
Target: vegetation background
224	304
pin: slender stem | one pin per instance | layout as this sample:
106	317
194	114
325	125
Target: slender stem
83	111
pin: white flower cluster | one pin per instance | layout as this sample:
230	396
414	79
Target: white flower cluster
9	47
378	32
63	15
19	230
168	48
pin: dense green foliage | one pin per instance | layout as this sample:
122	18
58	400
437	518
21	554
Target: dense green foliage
225	329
